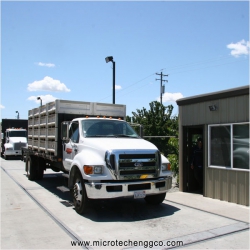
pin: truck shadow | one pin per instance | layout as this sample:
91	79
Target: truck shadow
108	210
12	157
127	210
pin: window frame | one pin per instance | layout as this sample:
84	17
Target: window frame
231	146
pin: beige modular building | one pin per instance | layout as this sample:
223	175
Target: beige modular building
221	119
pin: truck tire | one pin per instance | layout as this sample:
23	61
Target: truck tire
40	168
155	199
6	157
80	198
31	168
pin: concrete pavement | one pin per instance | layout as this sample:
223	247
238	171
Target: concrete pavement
228	237
25	225
223	208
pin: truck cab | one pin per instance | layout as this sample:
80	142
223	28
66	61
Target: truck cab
15	139
106	158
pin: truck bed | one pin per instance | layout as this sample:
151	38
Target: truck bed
44	123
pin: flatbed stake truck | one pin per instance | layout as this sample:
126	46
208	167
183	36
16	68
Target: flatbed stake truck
101	153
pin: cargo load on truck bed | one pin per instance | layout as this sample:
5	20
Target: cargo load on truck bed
44	123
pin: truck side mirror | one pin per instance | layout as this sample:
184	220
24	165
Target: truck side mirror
65	131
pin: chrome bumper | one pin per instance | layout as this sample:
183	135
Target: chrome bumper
108	190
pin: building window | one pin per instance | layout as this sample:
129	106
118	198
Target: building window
241	146
229	146
220	146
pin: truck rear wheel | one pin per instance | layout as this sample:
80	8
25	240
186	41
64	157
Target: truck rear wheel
31	168
40	168
155	199
80	198
34	168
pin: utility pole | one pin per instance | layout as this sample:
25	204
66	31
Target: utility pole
162	88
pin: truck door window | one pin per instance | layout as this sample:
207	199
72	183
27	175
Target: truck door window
74	132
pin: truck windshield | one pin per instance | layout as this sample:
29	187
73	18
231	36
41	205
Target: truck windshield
17	133
107	128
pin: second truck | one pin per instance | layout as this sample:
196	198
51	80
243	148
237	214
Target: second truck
13	137
100	152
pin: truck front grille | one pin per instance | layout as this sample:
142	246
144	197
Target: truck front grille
136	165
19	145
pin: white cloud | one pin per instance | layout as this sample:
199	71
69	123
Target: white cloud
170	97
50	65
239	48
48	84
118	87
45	99
1	106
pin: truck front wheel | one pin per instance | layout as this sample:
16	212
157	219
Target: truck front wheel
80	197
155	199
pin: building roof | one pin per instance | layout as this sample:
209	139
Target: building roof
244	90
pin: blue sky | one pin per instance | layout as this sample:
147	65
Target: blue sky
57	50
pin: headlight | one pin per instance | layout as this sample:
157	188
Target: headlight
166	167
9	148
97	169
92	169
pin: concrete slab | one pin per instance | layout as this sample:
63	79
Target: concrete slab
213	206
193	219
239	240
24	225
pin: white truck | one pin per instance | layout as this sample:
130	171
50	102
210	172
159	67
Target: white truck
101	153
13	137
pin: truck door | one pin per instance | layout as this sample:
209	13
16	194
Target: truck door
70	149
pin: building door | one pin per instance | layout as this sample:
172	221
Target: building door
191	135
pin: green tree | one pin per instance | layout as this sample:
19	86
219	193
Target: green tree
158	121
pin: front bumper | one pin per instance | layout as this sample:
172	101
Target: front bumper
13	152
108	190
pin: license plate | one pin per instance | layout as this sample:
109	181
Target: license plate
139	194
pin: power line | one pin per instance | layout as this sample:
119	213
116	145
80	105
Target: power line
199	62
211	66
192	70
179	67
130	86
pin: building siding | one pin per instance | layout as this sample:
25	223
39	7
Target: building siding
227	185
223	184
230	110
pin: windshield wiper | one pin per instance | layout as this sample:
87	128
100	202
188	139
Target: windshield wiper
100	136
128	136
116	136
